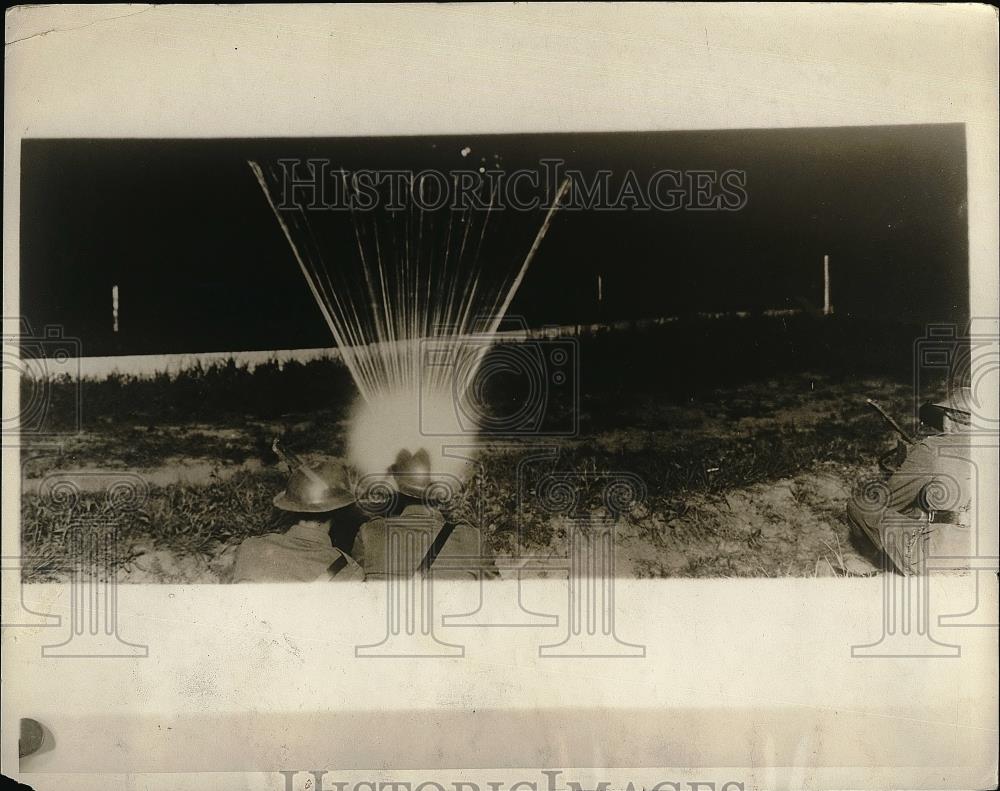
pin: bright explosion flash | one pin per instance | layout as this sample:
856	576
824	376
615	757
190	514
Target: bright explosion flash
411	420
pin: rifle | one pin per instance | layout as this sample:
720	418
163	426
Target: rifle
898	453
889	419
295	464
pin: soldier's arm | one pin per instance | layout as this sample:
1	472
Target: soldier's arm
907	483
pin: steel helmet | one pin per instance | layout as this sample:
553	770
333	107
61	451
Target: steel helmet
412	472
953	414
316	488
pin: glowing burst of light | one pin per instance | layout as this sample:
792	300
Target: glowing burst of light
407	419
407	282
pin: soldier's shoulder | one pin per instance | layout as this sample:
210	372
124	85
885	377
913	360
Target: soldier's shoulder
421	511
371	530
466	540
251	543
954	441
373	523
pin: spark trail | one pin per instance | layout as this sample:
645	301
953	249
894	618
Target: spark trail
405	284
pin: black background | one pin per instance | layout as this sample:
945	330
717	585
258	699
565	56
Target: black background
184	230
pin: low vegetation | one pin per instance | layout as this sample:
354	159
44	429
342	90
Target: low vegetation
706	440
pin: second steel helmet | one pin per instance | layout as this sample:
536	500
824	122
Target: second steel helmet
412	472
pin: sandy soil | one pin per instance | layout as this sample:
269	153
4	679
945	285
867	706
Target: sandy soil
791	526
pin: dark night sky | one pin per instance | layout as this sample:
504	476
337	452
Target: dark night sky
202	265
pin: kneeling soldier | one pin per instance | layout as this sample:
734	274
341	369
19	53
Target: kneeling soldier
925	510
321	497
456	549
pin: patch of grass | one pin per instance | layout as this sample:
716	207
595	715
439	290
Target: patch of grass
187	520
196	519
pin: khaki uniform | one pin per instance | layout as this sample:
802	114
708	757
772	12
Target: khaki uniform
924	509
303	554
464	554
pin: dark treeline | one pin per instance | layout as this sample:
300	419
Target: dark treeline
600	373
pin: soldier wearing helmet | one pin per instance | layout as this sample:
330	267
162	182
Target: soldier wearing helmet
320	499
457	549
923	509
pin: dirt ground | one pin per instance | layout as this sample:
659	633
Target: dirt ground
745	481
